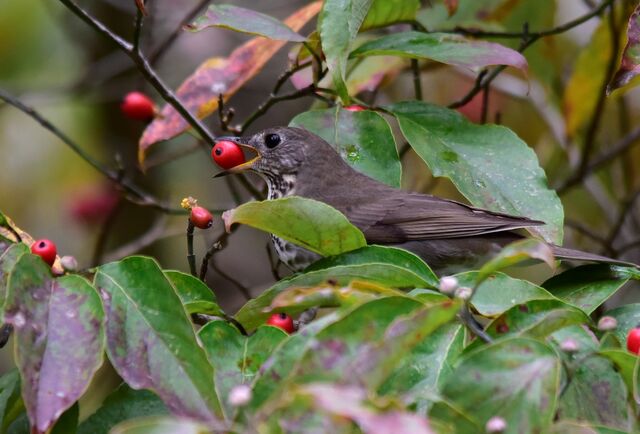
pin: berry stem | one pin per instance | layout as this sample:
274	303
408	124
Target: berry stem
191	257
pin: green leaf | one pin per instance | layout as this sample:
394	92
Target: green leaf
194	294
363	139
572	427
516	379
422	371
586	340
59	336
380	254
328	295
160	425
236	358
151	341
597	394
586	287
536	318
8	259
123	404
517	253
499	292
338	24
385	12
68	421
313	225
628	317
245	21
252	314
10	401
625	363
479	160
280	364
362	347
446	48
372	73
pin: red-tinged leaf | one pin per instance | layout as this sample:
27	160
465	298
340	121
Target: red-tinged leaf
59	338
443	47
245	21
630	62
151	341
451	5
218	76
141	7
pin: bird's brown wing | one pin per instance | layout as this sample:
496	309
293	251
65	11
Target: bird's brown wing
411	216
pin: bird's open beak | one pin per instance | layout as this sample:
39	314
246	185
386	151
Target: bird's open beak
244	166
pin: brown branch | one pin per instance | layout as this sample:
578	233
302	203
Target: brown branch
594	124
163	47
135	194
144	67
619	148
541	34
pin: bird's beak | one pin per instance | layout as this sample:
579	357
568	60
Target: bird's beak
247	164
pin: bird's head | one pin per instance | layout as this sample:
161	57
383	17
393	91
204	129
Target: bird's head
278	150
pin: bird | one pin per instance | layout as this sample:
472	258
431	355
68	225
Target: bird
448	235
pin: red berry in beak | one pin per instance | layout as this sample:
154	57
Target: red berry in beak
227	154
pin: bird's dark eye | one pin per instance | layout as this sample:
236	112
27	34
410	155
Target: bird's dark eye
272	140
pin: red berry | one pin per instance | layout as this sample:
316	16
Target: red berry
227	154
201	218
282	321
354	108
633	340
46	249
93	205
137	105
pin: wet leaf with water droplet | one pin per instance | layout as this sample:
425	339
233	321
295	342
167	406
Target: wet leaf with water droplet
363	138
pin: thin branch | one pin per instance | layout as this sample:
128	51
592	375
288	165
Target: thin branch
191	256
485	104
594	124
144	67
627	207
244	290
105	231
544	33
614	151
417	84
163	47
140	197
137	31
528	38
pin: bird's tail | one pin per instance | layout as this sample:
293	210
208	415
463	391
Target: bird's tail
578	255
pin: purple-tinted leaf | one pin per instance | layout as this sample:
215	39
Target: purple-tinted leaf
245	21
630	62
151	341
350	402
59	337
160	425
445	48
